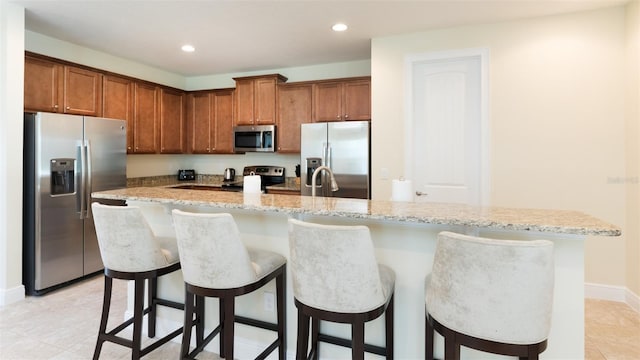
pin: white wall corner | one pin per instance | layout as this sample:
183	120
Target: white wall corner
612	293
10	296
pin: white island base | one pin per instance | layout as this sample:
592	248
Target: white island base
406	247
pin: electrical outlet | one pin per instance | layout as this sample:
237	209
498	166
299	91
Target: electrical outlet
269	301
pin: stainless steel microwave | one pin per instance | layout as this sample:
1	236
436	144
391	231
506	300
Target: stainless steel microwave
254	138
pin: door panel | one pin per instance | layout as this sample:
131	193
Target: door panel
446	130
59	245
106	139
349	158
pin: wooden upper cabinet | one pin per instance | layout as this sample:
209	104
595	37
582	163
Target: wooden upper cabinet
256	99
117	103
145	118
82	91
223	101
200	123
42	85
294	109
348	99
172	122
210	117
53	87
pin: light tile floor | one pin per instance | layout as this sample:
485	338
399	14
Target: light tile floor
63	325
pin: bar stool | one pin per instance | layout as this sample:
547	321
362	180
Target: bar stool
215	263
490	295
130	251
336	278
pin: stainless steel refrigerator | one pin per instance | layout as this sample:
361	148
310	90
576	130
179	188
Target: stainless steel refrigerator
345	148
66	157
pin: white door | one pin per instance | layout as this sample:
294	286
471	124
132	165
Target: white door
446	118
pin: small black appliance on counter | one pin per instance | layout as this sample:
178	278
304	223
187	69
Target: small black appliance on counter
186	175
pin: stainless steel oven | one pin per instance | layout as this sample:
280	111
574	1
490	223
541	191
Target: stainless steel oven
258	138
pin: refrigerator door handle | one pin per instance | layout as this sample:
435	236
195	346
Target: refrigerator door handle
87	194
83	170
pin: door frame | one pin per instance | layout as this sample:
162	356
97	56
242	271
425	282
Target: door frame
485	141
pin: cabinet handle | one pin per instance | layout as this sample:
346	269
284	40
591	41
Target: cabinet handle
346	116
55	106
68	108
420	193
338	117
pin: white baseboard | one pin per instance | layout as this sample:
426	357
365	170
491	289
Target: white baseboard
612	293
10	296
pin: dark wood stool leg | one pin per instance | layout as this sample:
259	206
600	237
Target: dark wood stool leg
315	334
199	320
281	291
451	346
222	326
188	323
106	305
153	295
303	336
428	338
388	318
357	340
138	313
229	320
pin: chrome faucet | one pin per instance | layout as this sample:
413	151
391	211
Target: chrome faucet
334	184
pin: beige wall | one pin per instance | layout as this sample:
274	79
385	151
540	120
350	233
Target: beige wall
11	118
556	114
633	149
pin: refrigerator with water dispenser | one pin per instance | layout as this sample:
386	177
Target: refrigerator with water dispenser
66	157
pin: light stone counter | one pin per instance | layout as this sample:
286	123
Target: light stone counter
404	236
536	220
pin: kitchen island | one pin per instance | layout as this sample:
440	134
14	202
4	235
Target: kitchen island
404	236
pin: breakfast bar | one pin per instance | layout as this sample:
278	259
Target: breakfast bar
404	235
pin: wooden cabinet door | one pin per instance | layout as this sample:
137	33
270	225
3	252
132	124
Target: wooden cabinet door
117	103
357	100
145	118
82	91
42	85
327	99
294	109
201	123
171	121
265	101
223	102
244	105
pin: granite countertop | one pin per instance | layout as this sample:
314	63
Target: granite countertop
514	219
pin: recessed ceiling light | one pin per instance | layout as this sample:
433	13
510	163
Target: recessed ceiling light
188	48
339	27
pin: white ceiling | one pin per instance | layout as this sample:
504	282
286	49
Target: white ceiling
241	36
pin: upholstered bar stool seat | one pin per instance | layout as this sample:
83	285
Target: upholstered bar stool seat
490	295
336	278
130	251
215	263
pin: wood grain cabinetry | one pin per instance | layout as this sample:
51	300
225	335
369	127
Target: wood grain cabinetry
54	87
172	121
342	100
256	99
210	117
145	119
117	103
294	109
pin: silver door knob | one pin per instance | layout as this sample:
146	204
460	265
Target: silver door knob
420	193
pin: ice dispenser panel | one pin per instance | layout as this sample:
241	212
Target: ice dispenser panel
312	165
62	176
